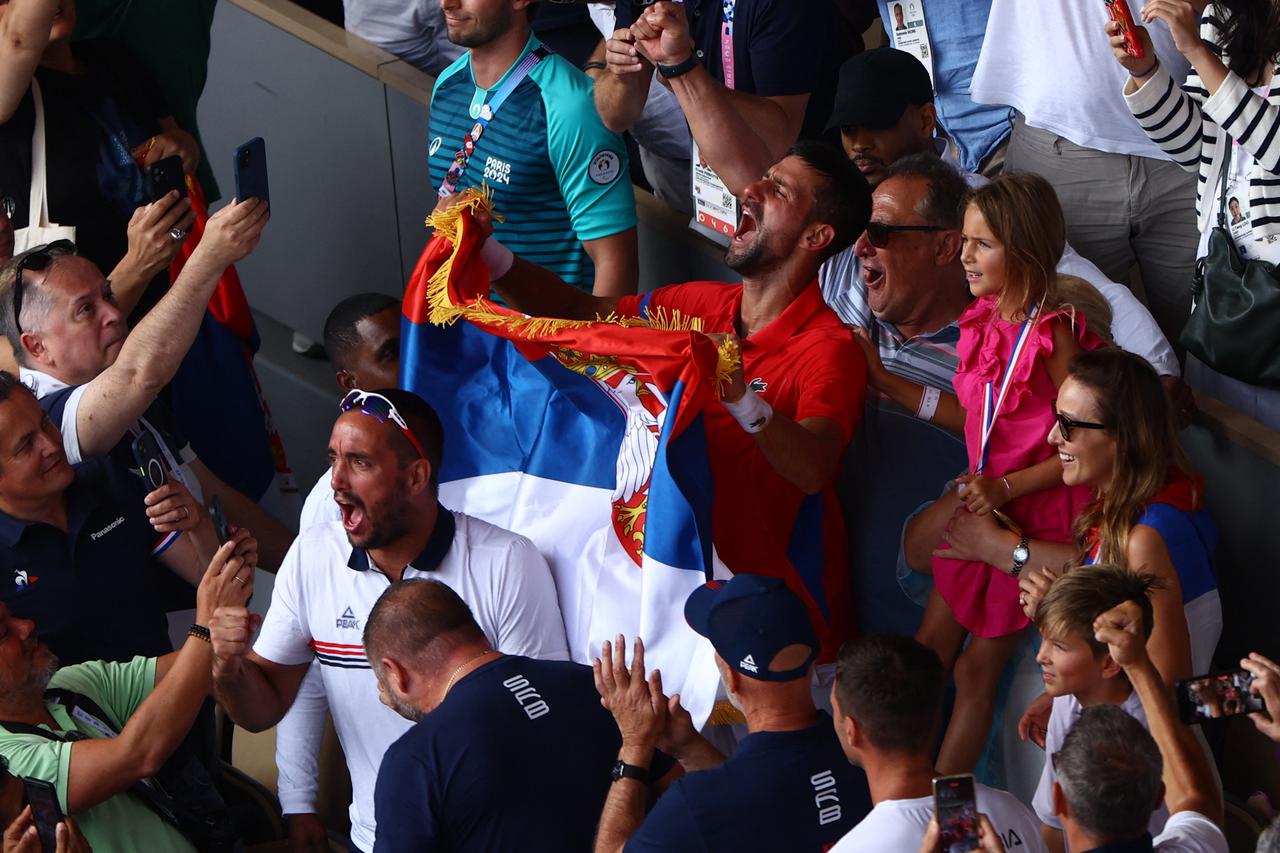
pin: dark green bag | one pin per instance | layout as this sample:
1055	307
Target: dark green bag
1235	316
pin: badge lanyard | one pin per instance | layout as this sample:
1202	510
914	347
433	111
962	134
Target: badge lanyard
991	402
715	208
462	158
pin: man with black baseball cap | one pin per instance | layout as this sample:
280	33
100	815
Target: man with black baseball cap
788	786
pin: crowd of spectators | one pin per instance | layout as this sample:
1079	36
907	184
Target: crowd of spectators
965	272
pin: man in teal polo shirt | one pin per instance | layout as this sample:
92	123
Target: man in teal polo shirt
97	730
520	120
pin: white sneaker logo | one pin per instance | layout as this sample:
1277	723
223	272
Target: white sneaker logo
749	664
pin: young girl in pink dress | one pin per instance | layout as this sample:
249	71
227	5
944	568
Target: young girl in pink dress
1016	339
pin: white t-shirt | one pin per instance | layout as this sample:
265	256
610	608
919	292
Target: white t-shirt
1052	61
325	590
901	824
1190	832
1066	710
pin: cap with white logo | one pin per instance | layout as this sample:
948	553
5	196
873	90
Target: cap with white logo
750	621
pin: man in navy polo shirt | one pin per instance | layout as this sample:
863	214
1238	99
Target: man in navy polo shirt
76	544
788	786
530	734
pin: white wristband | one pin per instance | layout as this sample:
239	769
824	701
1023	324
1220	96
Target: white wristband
928	404
751	412
497	257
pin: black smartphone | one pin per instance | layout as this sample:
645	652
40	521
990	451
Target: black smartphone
43	799
219	521
956	805
1209	697
251	171
165	176
150	459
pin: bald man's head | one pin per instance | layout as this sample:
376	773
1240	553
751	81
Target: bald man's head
419	623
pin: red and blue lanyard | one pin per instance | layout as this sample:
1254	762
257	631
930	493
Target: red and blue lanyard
991	400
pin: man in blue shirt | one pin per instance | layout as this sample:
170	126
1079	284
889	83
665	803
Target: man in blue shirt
77	544
513	117
509	753
788	786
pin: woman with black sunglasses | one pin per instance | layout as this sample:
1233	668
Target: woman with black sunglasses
1114	433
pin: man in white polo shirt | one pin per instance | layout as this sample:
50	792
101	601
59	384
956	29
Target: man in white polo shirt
385	451
887	704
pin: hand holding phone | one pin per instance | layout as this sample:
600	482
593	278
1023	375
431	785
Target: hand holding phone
165	176
1119	12
955	806
45	811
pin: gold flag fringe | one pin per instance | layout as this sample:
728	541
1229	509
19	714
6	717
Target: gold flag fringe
450	224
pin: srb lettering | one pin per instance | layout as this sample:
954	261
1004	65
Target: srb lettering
531	702
825	797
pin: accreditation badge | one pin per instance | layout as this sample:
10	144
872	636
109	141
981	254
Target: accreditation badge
715	208
907	29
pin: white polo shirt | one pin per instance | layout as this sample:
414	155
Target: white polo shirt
325	590
901	824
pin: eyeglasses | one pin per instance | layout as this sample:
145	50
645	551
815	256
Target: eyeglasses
1066	425
36	260
878	233
378	406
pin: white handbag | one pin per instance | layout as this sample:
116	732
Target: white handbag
39	230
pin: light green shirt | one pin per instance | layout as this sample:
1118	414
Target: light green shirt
122	823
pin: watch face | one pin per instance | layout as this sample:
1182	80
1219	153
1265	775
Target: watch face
1021	554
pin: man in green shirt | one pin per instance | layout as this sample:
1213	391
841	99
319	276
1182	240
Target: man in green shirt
96	752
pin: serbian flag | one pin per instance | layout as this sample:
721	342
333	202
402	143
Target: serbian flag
586	437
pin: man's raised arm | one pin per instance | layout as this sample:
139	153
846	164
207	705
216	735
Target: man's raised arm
154	349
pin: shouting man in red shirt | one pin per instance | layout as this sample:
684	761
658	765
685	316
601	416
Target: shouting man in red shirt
777	440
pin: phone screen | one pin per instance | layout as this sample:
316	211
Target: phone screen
45	810
1210	697
150	460
956	806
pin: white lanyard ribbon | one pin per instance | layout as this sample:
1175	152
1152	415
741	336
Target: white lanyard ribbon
991	401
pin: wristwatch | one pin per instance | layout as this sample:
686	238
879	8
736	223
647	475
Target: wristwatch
670	71
1021	553
623	770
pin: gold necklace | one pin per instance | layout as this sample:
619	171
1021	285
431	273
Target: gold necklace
449	684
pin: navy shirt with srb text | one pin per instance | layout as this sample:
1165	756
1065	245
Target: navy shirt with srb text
518	757
794	791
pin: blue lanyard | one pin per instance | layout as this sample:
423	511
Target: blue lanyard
463	156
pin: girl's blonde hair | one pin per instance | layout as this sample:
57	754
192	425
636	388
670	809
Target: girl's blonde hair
1023	213
1078	295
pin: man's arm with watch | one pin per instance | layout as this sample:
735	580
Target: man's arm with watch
640	709
738	134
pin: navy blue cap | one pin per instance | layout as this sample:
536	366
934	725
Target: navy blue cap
749	620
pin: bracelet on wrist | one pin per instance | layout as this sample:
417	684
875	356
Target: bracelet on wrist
200	632
680	68
1155	63
594	65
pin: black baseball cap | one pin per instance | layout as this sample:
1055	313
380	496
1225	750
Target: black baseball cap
876	87
749	621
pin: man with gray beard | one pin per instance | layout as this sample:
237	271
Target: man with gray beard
384	452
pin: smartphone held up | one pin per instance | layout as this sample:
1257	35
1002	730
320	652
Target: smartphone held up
955	804
1119	12
1210	697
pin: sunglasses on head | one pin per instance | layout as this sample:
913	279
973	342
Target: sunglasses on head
1066	425
36	260
878	233
378	406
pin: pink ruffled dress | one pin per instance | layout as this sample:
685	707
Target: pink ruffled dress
984	598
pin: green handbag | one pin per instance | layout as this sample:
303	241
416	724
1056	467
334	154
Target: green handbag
1235	316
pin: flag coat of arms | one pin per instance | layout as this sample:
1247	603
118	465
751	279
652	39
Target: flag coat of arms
585	436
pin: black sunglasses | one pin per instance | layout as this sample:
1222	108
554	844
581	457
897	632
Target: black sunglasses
1066	425
878	233
36	260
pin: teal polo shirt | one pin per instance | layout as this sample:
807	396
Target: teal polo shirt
558	176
